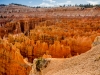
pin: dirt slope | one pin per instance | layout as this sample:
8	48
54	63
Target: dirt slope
85	64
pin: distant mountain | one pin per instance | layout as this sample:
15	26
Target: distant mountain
3	5
17	4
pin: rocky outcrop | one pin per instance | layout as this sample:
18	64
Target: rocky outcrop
86	63
96	41
11	60
20	26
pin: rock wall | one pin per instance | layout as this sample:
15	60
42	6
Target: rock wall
21	26
11	60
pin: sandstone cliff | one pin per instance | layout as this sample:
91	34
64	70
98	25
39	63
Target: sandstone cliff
11	60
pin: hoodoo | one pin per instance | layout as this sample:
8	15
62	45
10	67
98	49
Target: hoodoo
62	40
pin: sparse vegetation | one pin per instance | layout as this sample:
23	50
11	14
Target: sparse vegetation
41	63
97	59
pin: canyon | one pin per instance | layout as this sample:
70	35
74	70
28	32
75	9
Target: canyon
28	33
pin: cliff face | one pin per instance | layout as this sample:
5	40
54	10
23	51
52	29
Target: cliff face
11	60
20	26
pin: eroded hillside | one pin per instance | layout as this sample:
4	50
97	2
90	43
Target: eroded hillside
59	33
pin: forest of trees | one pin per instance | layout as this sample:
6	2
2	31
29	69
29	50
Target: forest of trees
3	5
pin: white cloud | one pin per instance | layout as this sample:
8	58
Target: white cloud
46	5
66	3
93	2
30	1
51	1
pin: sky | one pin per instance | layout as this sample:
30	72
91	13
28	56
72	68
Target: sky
50	3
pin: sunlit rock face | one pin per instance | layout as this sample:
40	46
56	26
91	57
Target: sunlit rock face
20	26
11	60
62	39
37	37
44	32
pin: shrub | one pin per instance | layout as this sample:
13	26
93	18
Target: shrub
41	63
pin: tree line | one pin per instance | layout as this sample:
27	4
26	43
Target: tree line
76	5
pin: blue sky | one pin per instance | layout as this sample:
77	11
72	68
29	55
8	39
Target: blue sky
50	2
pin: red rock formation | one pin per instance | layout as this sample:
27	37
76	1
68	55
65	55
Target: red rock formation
58	37
56	34
11	60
